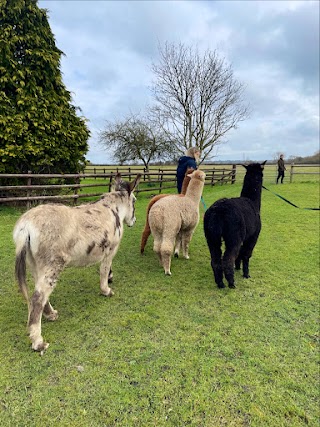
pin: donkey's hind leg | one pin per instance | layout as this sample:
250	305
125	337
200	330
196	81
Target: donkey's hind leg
49	312
106	274
39	304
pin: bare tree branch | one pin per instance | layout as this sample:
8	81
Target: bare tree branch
136	138
197	98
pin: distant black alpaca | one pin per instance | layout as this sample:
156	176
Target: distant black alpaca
237	222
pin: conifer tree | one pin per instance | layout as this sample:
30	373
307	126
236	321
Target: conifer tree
39	126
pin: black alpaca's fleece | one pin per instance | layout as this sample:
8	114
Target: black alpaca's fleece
237	222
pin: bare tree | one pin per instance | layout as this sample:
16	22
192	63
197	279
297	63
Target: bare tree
136	138
197	98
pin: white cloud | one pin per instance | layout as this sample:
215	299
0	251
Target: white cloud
273	47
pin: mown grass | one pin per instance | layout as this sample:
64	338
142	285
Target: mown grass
174	351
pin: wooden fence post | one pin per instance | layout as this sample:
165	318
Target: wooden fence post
28	193
161	178
234	173
110	181
291	172
76	189
212	178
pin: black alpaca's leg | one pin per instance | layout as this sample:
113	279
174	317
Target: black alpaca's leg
238	260
218	273
247	250
216	264
228	262
228	268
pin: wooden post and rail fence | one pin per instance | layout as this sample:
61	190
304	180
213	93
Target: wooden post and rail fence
39	188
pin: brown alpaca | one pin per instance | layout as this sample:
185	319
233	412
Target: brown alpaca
146	232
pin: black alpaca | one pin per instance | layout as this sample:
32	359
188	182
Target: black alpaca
237	222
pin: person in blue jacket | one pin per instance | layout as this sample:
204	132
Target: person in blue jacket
188	161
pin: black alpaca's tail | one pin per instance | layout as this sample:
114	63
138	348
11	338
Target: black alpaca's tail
213	230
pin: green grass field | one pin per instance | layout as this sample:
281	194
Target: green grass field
174	351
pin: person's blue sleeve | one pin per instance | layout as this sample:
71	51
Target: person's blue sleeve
192	164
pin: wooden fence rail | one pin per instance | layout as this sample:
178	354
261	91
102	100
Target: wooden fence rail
155	181
294	168
56	186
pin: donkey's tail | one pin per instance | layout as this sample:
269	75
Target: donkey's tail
21	238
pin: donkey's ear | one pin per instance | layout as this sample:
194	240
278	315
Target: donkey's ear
134	184
117	182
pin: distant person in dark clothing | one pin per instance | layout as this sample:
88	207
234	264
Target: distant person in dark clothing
188	161
281	169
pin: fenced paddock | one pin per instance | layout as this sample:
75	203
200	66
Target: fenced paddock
96	180
173	351
88	185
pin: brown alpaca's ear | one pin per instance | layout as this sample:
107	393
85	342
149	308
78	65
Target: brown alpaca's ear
190	172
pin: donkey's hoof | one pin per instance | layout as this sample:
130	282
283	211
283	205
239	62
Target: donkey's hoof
40	346
232	286
51	316
246	276
176	254
221	285
167	273
108	293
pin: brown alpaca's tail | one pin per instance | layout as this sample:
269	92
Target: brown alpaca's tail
146	232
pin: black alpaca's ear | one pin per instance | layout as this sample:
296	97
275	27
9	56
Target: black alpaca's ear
245	166
262	164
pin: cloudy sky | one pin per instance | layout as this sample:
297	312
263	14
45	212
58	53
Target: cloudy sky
272	46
